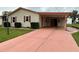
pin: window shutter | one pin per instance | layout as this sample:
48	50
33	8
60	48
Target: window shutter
15	19
24	18
29	18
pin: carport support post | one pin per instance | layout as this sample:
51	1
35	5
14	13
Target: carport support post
65	22
42	21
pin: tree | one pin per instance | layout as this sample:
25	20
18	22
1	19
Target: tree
74	14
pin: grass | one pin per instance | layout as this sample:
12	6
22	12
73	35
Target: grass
76	34
76	37
69	25
13	33
73	25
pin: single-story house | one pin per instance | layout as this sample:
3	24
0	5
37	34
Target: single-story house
29	18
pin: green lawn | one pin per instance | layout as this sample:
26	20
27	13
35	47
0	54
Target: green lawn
13	33
76	37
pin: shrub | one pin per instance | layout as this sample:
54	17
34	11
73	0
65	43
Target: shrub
18	25
35	25
6	24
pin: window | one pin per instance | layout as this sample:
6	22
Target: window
27	18
13	19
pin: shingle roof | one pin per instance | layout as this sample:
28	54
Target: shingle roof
23	9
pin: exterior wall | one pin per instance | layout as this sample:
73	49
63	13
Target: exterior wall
20	17
61	22
0	21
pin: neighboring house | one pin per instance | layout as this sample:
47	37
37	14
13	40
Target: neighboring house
0	20
44	19
77	19
69	20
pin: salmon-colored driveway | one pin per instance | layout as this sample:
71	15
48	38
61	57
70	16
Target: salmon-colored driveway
44	40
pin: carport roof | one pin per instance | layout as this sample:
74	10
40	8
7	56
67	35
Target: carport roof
55	13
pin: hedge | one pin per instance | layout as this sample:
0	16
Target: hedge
35	25
6	24
18	25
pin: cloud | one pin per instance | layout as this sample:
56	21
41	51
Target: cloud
41	3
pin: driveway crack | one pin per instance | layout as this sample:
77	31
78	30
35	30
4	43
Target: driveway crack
45	40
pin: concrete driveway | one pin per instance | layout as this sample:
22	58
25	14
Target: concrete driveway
43	40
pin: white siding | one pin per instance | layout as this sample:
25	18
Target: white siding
20	17
0	21
69	20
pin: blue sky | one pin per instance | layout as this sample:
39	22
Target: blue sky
42	9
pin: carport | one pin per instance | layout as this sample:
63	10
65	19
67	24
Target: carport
54	19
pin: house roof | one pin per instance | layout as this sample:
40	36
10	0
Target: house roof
42	13
22	9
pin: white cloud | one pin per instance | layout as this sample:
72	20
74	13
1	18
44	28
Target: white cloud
39	3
